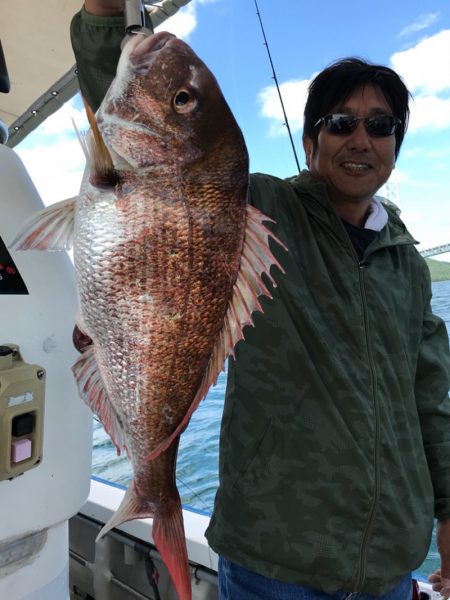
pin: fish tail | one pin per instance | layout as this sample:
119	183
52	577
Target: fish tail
169	537
168	534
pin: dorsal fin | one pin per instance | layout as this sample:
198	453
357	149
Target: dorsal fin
101	167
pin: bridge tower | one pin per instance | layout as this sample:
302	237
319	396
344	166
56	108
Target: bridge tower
390	190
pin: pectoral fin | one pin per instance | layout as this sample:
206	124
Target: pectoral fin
49	229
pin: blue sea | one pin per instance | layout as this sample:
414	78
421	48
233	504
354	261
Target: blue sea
197	467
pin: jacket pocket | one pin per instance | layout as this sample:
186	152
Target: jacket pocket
255	464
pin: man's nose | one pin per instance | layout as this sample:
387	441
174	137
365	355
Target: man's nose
359	138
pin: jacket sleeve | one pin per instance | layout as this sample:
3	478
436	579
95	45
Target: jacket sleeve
96	45
433	404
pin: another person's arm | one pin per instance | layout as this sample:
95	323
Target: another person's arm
96	32
104	8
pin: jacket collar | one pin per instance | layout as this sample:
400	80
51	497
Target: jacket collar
314	196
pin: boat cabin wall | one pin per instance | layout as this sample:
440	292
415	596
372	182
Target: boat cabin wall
38	310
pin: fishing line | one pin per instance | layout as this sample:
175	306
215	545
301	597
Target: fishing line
193	493
206	507
274	76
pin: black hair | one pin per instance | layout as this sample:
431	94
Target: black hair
339	80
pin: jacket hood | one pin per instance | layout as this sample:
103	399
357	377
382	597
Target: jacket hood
314	194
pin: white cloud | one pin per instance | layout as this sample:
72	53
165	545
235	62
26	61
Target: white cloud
183	23
56	170
423	214
422	22
401	177
53	156
425	67
294	94
431	113
435	154
430	235
438	153
61	122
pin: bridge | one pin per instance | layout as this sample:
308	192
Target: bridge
391	193
436	250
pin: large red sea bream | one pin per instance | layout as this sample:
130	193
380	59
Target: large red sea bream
168	257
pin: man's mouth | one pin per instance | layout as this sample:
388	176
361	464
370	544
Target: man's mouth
356	166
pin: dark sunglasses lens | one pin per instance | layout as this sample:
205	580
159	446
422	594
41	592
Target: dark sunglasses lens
340	124
381	126
377	126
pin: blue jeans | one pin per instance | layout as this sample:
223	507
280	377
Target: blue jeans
237	583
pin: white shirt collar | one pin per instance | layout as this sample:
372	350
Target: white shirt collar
378	216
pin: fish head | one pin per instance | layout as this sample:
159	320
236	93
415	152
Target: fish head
166	107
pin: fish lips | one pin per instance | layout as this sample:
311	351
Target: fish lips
142	49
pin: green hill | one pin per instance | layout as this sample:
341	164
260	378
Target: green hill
440	270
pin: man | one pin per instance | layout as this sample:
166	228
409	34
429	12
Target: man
335	441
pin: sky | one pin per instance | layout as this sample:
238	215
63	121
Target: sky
411	37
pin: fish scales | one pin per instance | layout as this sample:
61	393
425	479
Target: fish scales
168	258
167	299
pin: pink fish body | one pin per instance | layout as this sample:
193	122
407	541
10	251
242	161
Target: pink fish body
168	258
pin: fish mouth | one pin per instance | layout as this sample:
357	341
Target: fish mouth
140	47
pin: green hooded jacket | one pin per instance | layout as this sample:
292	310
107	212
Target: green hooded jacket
335	439
335	442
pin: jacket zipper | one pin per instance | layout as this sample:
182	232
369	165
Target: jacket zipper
362	265
376	495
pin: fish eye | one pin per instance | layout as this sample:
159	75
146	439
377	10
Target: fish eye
184	101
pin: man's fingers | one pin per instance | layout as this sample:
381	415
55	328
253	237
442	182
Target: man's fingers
435	577
443	545
440	584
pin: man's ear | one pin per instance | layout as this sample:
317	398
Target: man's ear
308	148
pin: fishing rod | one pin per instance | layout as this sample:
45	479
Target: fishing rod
141	17
135	21
274	76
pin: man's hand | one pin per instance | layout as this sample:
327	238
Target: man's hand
104	8
440	579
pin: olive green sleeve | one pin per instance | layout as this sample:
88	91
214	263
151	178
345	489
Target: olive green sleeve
96	45
433	404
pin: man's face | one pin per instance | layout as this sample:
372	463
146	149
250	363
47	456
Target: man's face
353	166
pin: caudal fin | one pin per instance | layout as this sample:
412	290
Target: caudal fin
168	533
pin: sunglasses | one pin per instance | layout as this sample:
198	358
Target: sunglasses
376	126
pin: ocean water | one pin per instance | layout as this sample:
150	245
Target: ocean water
197	466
